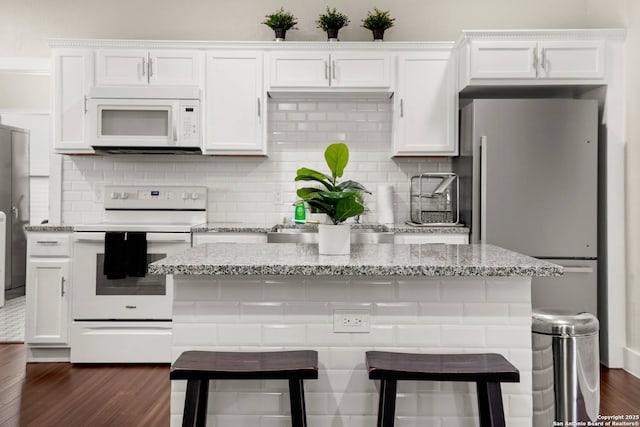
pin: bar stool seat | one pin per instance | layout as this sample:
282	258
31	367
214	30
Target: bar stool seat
198	367
487	370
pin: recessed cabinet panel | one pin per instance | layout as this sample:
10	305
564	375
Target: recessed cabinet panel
360	70
235	104
424	105
503	60
299	69
174	68
121	67
572	60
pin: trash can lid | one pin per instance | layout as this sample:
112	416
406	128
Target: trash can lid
563	322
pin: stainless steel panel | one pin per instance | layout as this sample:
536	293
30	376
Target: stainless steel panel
576	290
540	175
20	206
5	198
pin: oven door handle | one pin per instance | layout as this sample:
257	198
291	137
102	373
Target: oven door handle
152	237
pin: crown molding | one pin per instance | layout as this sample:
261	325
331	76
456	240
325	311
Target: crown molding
25	65
540	34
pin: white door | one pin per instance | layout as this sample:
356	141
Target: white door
47	301
361	69
122	67
235	103
298	69
503	60
174	68
72	77
425	105
571	59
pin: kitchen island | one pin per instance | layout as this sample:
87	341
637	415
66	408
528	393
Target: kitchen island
413	298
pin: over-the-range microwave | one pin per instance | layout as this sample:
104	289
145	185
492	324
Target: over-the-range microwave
144	120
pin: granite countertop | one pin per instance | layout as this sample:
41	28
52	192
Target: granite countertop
239	227
48	228
364	260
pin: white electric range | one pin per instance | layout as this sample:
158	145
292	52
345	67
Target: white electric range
125	318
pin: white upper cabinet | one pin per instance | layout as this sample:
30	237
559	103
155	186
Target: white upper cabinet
532	58
235	103
348	69
72	78
424	118
140	67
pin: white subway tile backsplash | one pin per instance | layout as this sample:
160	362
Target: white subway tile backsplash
463	336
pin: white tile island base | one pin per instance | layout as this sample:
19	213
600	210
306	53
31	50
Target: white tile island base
410	314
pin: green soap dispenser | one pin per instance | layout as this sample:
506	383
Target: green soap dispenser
300	216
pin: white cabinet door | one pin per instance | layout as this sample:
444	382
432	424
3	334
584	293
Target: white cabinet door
122	67
47	305
72	77
360	69
230	237
235	103
503	60
425	105
571	59
299	69
174	68
422	238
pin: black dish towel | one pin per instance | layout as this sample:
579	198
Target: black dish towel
115	255
136	254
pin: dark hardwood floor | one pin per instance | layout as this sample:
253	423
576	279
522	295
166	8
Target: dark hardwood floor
59	394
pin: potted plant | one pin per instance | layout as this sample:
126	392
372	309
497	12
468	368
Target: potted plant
280	21
339	201
378	21
331	21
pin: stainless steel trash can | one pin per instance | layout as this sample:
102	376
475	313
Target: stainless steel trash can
566	367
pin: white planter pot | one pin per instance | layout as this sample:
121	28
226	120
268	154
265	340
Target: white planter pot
334	239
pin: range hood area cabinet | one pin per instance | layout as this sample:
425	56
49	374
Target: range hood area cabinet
295	70
235	103
140	67
425	104
503	58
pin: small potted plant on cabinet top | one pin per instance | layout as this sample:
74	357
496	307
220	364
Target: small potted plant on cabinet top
339	201
280	21
378	21
331	21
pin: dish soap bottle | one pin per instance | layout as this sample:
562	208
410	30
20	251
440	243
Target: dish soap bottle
300	215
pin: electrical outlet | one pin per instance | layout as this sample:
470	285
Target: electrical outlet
355	321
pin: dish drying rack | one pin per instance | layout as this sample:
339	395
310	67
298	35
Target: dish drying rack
435	200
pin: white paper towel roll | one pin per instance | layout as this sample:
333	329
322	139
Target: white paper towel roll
385	203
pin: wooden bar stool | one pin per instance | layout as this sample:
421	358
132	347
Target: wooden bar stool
487	370
198	367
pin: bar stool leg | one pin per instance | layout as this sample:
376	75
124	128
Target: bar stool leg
387	403
490	406
195	404
296	397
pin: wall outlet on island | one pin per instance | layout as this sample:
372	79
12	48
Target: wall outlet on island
354	321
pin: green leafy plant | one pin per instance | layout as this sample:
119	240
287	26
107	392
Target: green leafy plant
339	201
378	20
332	19
281	19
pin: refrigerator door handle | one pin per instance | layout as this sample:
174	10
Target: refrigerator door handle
483	187
15	212
570	269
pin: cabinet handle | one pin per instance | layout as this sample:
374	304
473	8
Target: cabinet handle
259	107
48	242
326	70
544	61
144	66
62	292
150	67
85	105
333	70
401	107
131	307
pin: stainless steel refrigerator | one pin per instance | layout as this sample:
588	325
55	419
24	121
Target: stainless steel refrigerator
14	202
529	182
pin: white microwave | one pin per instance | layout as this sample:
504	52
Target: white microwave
148	125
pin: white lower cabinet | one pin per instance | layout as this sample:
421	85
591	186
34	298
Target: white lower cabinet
228	237
48	293
422	238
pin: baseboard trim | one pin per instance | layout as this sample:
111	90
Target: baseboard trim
632	361
47	354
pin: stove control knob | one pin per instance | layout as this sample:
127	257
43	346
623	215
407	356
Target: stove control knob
115	195
195	196
124	195
185	196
